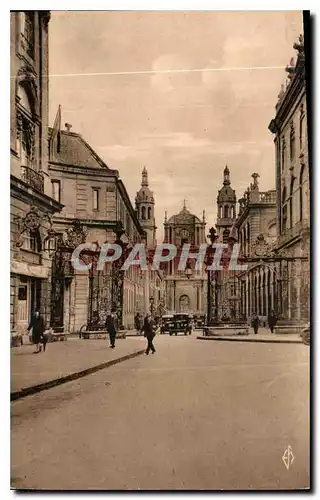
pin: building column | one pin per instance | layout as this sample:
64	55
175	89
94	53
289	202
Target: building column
289	284
248	295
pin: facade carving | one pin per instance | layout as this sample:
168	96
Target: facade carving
185	294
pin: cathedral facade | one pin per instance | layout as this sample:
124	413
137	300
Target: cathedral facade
185	291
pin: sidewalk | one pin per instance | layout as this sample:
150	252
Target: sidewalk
64	361
263	336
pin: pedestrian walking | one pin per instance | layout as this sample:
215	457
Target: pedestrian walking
272	320
255	322
137	322
111	328
37	326
149	332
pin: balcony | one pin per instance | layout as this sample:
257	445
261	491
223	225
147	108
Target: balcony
267	197
33	178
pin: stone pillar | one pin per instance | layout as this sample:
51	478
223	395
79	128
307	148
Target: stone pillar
297	285
289	285
248	292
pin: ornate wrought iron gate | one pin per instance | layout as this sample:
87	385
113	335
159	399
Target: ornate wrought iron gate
62	270
100	296
105	294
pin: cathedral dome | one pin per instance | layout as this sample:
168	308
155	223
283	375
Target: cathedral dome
184	217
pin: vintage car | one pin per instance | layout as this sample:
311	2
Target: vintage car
199	321
182	323
166	323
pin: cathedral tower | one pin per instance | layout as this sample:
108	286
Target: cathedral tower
226	202
145	209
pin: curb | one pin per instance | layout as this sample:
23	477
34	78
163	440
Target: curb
271	341
28	391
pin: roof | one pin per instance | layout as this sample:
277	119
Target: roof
226	193
183	217
74	150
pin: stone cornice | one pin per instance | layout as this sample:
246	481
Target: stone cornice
287	104
74	169
19	189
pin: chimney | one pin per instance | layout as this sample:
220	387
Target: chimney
68	127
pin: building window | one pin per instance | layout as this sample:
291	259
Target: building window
283	154
303	194
284	209
32	241
225	236
56	190
226	212
143	213
25	139
292	145
149	213
95	199
27	32
301	133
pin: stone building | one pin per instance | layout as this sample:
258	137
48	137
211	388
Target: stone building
289	127
32	204
95	202
256	233
183	293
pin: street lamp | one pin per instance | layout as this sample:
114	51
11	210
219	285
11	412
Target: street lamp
212	237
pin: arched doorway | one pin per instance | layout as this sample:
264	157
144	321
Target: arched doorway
184	303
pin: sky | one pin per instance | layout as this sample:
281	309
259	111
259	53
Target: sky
116	75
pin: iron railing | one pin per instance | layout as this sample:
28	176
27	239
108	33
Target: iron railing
33	178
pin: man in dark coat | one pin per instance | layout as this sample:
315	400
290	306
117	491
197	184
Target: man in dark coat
111	328
255	322
149	332
137	322
272	320
38	327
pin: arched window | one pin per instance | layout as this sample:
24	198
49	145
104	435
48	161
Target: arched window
184	303
284	210
149	212
226	212
248	239
143	213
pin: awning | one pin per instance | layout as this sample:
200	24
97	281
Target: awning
29	270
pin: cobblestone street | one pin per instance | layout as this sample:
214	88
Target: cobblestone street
196	415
